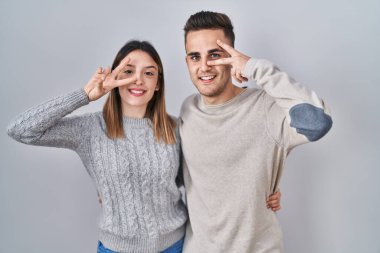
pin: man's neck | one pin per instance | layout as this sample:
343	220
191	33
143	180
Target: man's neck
229	93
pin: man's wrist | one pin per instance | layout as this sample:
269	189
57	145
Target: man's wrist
248	71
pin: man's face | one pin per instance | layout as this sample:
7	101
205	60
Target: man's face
201	47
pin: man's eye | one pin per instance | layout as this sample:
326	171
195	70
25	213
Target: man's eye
215	56
194	57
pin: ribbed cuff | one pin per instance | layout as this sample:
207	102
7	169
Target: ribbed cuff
78	98
248	71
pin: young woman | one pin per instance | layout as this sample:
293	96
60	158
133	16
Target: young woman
131	150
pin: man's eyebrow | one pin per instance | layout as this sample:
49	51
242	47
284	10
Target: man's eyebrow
215	50
192	53
211	51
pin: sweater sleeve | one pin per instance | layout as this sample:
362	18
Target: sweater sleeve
306	115
46	124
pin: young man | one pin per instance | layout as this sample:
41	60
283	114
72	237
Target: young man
235	140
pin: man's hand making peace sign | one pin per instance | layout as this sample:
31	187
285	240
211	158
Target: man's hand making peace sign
237	61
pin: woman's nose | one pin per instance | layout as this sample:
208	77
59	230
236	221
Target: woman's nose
139	79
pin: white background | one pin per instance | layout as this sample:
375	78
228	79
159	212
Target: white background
330	188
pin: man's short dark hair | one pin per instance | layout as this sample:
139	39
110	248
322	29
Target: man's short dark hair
210	20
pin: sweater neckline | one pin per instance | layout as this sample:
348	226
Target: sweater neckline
136	122
226	106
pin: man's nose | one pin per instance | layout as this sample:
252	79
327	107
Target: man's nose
204	66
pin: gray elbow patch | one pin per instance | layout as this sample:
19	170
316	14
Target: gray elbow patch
310	121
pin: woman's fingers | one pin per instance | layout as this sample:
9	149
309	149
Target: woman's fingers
273	202
276	195
275	206
110	83
120	68
93	83
107	71
125	81
96	77
105	80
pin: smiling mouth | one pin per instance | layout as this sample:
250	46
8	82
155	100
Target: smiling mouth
136	92
207	79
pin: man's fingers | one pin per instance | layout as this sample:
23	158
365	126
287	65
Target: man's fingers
233	71
223	61
237	79
228	48
243	78
240	77
236	75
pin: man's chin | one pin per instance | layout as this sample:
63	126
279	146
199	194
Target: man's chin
210	92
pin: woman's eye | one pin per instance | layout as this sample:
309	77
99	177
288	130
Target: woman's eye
128	72
149	73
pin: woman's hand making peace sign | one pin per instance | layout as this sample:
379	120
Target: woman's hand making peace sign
104	80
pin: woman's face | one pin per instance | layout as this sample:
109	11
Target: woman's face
142	67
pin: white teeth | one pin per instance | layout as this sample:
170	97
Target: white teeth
136	91
207	77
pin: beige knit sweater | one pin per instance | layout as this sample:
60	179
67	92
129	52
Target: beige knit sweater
234	154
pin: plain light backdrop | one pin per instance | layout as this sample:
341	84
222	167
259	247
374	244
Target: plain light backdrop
330	188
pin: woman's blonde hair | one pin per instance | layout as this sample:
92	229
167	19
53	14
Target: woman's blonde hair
163	125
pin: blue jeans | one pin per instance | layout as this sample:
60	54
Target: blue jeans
175	248
102	249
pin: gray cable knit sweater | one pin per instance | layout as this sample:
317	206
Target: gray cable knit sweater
142	210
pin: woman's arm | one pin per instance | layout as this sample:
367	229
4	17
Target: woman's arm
47	125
